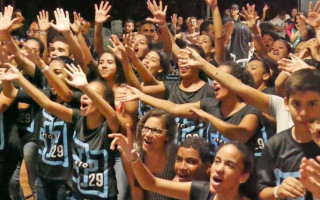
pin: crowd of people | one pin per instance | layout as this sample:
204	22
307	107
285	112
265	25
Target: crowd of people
226	108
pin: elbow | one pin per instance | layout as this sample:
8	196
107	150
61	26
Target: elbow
67	97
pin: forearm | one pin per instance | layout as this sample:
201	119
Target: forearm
165	37
44	39
63	91
98	39
218	37
75	49
9	90
144	73
131	78
85	49
258	43
267	194
279	84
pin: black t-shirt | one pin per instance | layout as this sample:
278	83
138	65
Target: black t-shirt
93	161
255	143
281	158
188	127
240	38
8	133
54	143
200	190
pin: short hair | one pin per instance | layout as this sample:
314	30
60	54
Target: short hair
236	6
146	22
65	59
267	27
129	21
169	124
205	26
201	146
40	43
302	81
59	39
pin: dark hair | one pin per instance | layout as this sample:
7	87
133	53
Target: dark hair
248	188
164	63
169	124
40	43
200	51
240	73
267	27
313	62
146	22
201	146
108	94
205	26
302	81
60	39
272	34
119	77
269	65
64	59
129	21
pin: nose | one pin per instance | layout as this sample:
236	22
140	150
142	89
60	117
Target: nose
303	112
183	165
219	168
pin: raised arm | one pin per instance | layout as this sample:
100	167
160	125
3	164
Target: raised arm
177	190
63	91
63	26
13	74
241	132
101	16
78	80
250	95
43	22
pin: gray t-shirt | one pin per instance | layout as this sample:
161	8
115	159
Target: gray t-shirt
278	111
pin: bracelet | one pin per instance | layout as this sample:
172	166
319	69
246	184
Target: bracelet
275	192
162	26
43	33
136	160
45	69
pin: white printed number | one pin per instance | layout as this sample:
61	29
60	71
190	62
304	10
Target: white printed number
260	143
96	180
57	151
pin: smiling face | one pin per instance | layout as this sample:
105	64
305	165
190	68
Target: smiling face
152	141
140	45
279	50
152	62
107	66
192	24
186	71
227	171
189	166
87	107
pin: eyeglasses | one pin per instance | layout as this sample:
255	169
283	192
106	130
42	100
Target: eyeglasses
32	31
157	131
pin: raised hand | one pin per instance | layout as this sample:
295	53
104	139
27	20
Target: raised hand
4	57
314	128
250	15
313	15
62	21
310	175
124	144
117	47
77	21
174	19
212	3
9	73
189	57
291	66
43	20
31	54
159	14
129	46
291	188
101	13
265	8
77	77
129	94
6	20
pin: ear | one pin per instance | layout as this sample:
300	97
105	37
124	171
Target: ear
244	177
266	76
286	103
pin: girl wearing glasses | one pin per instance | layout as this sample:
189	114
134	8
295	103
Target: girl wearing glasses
154	142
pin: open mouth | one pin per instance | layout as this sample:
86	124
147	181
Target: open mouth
183	177
216	180
148	142
136	49
84	105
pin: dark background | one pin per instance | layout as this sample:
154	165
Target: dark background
137	9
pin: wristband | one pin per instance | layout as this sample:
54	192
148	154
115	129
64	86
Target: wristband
275	192
136	160
45	69
162	26
215	74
